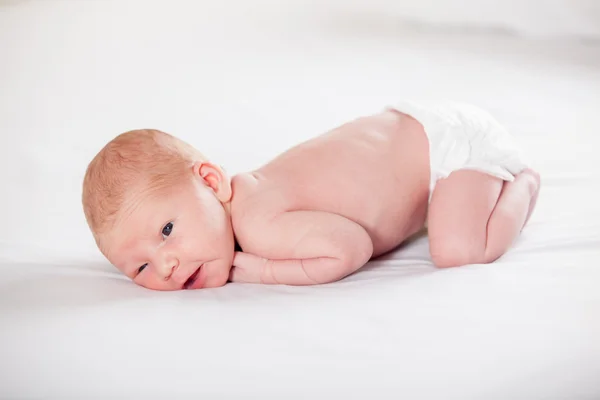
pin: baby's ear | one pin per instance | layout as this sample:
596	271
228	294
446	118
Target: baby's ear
214	177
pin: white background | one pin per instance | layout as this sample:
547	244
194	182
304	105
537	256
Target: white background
243	81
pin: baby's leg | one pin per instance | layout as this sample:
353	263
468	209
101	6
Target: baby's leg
475	217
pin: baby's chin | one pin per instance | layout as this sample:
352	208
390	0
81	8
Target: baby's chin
213	274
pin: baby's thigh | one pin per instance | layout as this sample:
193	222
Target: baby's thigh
460	208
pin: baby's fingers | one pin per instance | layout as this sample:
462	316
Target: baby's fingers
244	269
242	275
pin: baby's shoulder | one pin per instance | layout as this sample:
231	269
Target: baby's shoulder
254	204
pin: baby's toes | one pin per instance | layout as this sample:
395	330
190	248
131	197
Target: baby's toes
534	174
532	178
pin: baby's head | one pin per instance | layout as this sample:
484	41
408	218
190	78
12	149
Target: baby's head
159	211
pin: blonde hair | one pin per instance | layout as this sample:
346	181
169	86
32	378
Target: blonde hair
145	158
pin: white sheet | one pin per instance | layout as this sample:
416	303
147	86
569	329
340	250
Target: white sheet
243	82
533	18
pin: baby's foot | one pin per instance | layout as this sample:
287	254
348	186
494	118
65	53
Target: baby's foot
534	180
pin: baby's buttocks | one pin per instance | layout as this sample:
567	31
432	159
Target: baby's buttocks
463	136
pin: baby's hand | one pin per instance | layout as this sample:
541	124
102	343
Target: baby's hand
303	248
247	268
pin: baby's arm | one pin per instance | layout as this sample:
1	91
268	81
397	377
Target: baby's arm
303	248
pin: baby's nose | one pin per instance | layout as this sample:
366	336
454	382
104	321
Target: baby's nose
167	269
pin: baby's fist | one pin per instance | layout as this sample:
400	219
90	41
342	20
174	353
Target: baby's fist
246	268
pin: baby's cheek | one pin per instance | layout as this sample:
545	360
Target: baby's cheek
154	283
217	273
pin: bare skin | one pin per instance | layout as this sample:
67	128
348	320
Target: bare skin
319	212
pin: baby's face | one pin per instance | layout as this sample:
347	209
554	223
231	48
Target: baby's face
178	239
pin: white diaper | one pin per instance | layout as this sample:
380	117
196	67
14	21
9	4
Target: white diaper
463	136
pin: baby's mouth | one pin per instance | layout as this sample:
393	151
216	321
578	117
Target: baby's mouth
190	281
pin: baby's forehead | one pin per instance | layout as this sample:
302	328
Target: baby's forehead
140	210
123	243
144	200
137	213
143	195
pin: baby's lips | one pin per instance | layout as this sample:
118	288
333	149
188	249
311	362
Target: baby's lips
189	283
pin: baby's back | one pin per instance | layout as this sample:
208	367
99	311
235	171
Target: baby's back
373	171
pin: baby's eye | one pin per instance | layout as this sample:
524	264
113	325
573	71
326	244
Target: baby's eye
140	269
166	231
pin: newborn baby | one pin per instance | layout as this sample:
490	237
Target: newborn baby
171	219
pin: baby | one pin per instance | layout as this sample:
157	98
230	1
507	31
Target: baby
171	219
